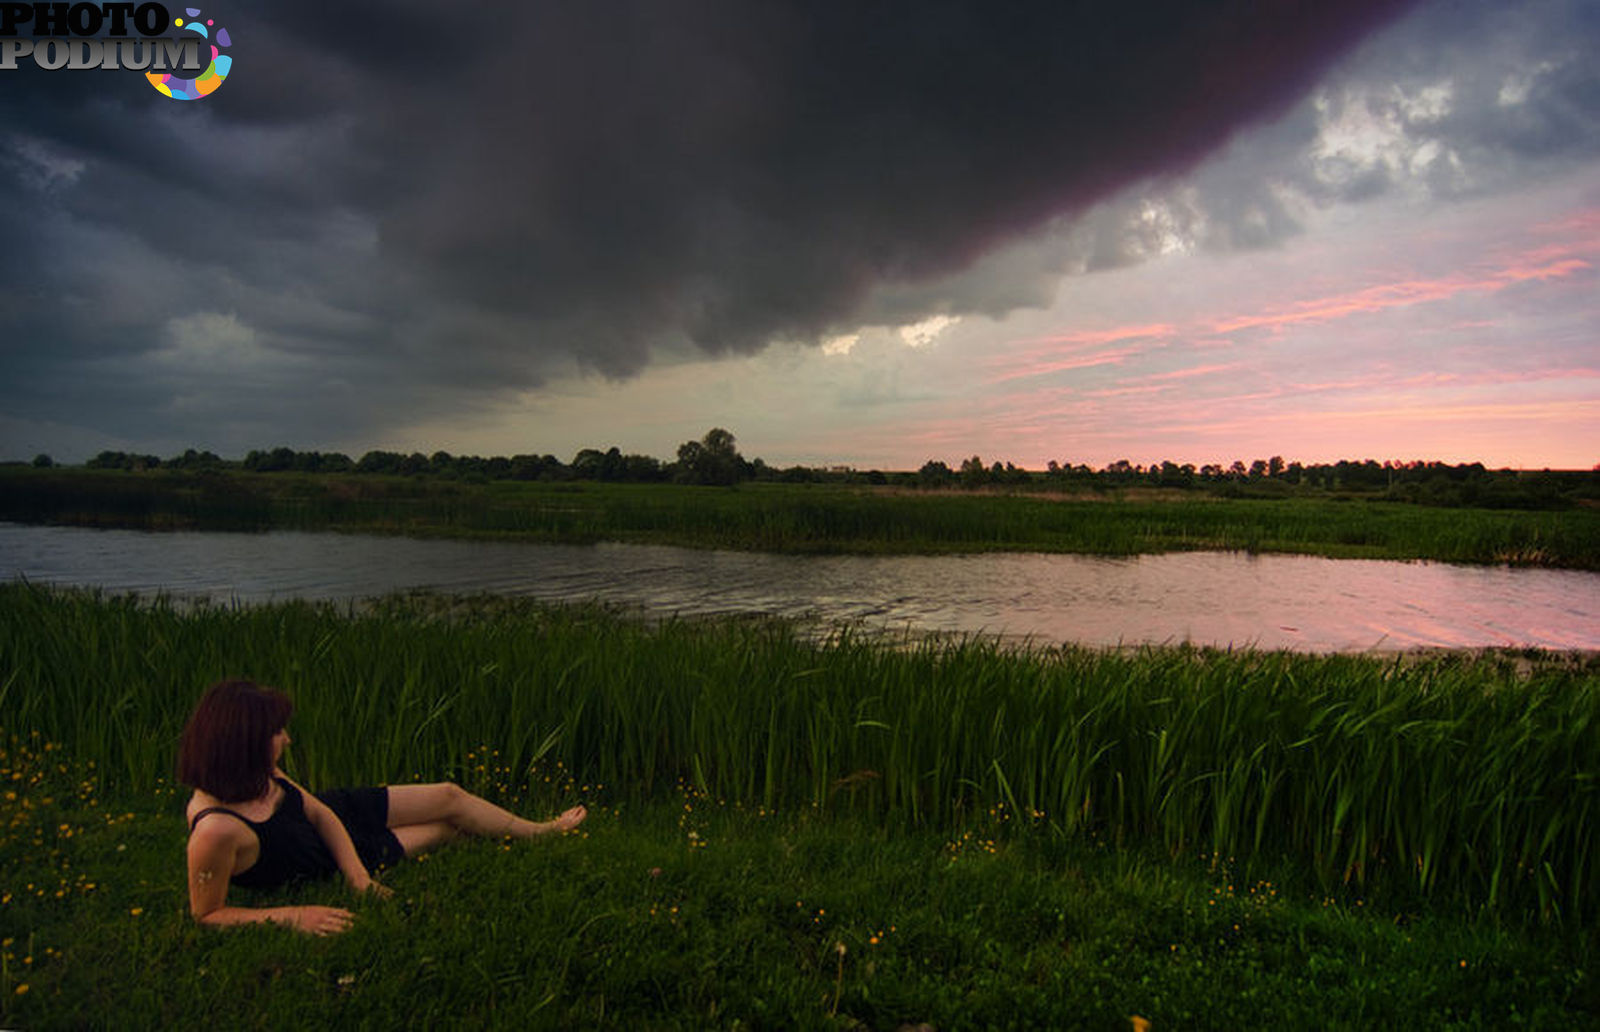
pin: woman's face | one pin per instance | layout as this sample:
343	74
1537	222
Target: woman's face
280	741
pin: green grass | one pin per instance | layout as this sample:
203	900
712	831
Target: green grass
996	837
690	913
805	518
1452	779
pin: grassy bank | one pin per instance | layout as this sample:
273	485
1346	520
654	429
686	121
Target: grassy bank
799	517
692	915
995	838
1449	779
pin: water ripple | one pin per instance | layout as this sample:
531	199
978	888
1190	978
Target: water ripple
1294	602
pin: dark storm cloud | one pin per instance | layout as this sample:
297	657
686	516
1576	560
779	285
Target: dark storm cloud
461	200
734	178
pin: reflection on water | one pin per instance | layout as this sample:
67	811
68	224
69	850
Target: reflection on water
1294	602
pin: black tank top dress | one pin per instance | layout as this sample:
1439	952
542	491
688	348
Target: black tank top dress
291	849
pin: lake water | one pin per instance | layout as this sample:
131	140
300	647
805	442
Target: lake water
1212	598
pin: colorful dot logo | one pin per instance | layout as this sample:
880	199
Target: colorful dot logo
207	81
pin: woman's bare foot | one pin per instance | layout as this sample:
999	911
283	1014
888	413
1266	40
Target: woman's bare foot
566	821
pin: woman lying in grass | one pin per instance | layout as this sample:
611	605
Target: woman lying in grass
251	825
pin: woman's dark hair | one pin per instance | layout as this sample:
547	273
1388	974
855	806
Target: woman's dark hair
226	748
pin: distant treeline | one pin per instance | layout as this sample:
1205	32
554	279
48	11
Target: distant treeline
1429	483
715	460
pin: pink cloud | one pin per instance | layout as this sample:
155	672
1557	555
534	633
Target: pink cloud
1110	336
1119	392
1064	351
1194	371
1549	414
1400	295
1584	223
1038	368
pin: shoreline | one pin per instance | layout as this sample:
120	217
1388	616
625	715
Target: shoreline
819	632
815	519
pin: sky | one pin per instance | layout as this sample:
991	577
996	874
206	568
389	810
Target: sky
865	235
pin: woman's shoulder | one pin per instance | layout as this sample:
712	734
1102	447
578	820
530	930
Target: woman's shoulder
217	842
199	802
236	815
215	825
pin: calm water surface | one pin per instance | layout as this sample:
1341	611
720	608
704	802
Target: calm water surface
1295	602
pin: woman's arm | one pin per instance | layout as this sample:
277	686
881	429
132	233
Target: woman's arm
337	838
212	854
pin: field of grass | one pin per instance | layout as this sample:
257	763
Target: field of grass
798	833
690	914
799	517
1447	778
793	833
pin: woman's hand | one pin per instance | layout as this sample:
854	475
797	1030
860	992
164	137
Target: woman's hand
321	920
369	886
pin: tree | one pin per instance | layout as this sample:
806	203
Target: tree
587	464
711	460
1010	474
934	474
379	462
191	459
42	461
278	460
1173	475
640	468
1120	468
108	460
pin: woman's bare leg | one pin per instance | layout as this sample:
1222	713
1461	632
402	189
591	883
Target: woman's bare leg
419	838
431	814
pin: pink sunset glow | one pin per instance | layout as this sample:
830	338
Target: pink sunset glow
1490	360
